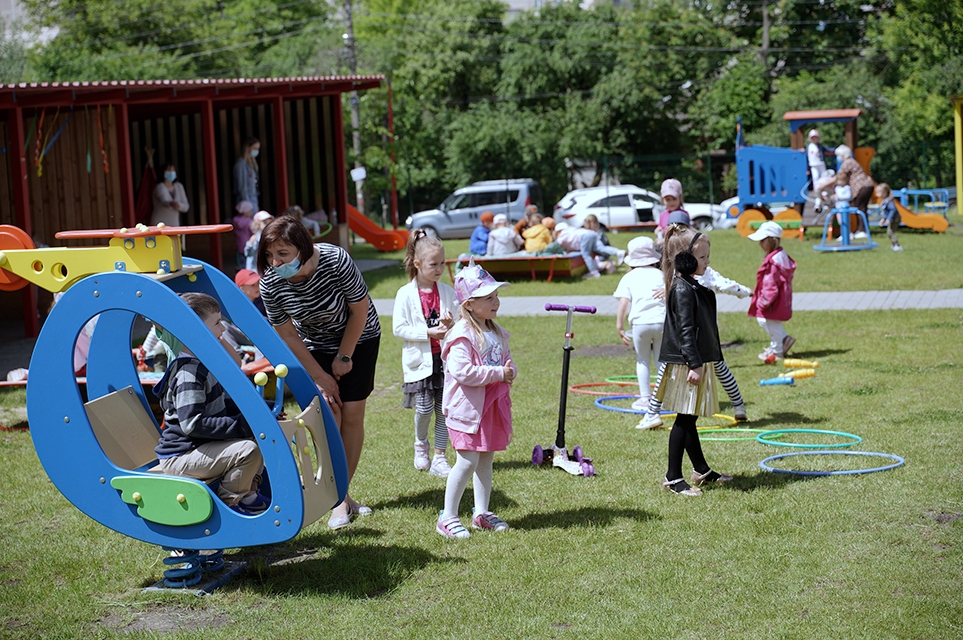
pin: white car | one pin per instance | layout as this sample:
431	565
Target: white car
615	206
706	217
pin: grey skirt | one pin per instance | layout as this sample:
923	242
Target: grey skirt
677	395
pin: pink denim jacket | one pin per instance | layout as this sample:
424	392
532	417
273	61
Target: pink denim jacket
466	378
772	298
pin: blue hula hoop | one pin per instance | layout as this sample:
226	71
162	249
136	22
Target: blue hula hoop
849	472
600	403
763	438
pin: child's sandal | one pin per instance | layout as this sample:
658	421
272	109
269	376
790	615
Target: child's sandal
709	476
681	487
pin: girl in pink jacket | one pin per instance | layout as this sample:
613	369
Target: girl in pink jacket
476	403
771	303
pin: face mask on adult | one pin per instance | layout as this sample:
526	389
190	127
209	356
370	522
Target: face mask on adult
170	176
288	270
255	153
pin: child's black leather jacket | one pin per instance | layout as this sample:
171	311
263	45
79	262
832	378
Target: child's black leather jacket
691	335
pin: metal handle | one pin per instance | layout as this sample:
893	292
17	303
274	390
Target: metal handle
562	307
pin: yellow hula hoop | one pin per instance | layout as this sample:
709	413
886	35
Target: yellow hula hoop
721	416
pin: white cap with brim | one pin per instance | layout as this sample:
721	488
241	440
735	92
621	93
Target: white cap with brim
767	229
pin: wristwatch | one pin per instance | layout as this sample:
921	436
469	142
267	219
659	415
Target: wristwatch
344	358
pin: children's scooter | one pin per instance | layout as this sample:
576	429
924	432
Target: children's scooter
577	464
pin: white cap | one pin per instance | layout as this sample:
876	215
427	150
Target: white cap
768	229
500	218
813	132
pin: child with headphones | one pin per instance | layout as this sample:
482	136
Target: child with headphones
690	344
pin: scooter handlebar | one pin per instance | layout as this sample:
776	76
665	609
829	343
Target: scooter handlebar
564	307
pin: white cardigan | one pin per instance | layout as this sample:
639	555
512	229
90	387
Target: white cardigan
408	323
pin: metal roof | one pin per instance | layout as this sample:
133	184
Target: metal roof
38	94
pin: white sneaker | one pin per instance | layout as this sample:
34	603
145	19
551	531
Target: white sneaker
642	404
592	274
421	456
860	235
440	466
897	247
620	257
650	421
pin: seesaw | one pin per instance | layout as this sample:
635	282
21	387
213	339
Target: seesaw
99	454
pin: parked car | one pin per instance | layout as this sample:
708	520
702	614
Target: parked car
615	206
458	215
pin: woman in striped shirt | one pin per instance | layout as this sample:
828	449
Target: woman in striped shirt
318	302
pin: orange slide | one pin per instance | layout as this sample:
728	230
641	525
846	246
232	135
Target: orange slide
380	239
932	221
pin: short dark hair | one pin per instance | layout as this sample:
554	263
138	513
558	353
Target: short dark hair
284	229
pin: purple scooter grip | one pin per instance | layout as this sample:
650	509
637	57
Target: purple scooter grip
563	307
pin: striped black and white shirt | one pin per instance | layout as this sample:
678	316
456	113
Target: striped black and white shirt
318	307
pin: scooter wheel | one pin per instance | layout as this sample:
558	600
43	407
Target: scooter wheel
577	453
587	469
538	455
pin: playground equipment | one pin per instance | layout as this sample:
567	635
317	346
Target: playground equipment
99	454
845	243
380	239
557	453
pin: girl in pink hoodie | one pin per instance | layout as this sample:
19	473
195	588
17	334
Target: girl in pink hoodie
771	303
476	403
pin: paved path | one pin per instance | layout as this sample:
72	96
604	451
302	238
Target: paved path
836	301
15	351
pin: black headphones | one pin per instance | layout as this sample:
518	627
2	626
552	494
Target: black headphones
685	262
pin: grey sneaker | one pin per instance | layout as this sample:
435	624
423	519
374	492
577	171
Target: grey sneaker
440	466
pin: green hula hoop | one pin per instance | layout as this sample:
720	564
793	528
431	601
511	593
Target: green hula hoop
652	378
702	433
326	228
765	436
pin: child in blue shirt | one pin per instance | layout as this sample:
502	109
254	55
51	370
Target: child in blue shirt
889	215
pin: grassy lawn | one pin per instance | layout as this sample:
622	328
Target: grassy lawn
614	556
738	258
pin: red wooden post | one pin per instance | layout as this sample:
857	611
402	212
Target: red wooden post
124	173
391	149
281	157
21	205
339	162
210	177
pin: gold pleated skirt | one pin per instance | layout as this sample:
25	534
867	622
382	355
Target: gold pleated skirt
679	396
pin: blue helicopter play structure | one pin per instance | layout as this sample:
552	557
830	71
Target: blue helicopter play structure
99	453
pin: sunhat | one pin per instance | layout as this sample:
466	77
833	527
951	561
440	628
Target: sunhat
642	252
263	215
679	217
767	229
474	282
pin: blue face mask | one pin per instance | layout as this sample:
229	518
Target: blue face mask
255	152
170	176
288	270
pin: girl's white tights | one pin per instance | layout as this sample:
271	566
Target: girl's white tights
478	463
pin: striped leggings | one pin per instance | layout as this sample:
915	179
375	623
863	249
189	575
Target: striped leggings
426	403
726	379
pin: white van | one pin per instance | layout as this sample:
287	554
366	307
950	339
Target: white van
458	215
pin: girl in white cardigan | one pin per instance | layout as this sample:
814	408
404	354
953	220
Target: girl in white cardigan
423	313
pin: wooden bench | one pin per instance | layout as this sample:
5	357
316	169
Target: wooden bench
565	265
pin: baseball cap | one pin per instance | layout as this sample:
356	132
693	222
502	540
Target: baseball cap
246	276
487	216
768	229
672	187
812	132
500	218
642	252
679	217
263	215
474	282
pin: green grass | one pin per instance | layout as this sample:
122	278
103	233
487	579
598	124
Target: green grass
738	258
615	556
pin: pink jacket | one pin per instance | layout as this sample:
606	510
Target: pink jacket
466	378
772	298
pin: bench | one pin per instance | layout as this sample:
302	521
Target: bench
565	264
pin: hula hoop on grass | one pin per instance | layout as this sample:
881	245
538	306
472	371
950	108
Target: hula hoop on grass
846	472
720	416
326	228
764	438
705	430
652	378
600	403
583	386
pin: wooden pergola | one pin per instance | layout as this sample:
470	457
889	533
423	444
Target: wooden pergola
75	152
